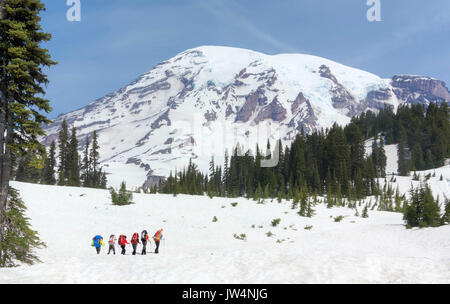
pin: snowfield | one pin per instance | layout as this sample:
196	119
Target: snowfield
197	250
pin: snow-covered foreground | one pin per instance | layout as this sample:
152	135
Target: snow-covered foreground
197	250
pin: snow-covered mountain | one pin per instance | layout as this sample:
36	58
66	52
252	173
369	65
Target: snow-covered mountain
208	99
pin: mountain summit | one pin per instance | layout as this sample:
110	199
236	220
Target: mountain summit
209	99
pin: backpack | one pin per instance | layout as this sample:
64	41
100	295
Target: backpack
111	240
121	239
144	236
135	238
97	241
158	235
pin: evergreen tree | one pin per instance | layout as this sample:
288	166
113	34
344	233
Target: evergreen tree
402	152
226	174
423	210
86	166
365	213
73	165
417	159
22	109
446	215
382	159
122	198
48	174
94	161
18	239
63	139
22	169
104	181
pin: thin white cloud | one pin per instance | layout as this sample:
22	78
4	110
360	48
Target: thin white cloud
231	13
402	36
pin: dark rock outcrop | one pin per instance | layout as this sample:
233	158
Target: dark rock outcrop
304	116
341	97
274	111
418	89
252	101
160	121
211	115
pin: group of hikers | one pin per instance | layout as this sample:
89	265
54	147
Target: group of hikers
97	242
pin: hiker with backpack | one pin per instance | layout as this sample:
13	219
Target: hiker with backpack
97	242
157	238
135	242
111	242
122	243
144	239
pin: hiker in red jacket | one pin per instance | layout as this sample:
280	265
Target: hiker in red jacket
135	242
122	242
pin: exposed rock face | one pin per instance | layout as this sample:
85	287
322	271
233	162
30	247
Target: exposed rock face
417	89
300	100
274	111
341	97
162	120
376	99
138	162
252	101
211	115
304	117
229	111
143	92
153	180
232	92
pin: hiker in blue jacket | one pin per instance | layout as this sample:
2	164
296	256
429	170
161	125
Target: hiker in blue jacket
97	242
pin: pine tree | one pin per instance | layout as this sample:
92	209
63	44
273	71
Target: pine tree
429	163
403	162
63	139
122	198
446	215
330	202
94	161
18	239
365	213
22	169
86	166
417	159
22	82
48	175
226	174
431	210
382	159
303	202
104	181
310	211
423	210
73	165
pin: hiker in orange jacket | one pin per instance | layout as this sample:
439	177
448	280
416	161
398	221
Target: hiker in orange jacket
157	238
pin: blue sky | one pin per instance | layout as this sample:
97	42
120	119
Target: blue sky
118	40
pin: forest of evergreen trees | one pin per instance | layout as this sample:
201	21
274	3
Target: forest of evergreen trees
423	134
331	162
67	168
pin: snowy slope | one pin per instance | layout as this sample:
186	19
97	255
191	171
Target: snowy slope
374	250
391	156
208	99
